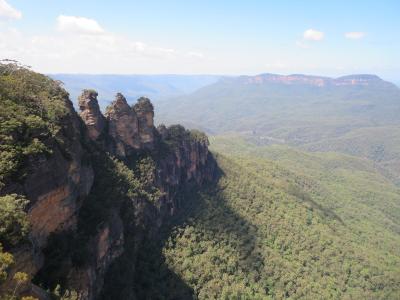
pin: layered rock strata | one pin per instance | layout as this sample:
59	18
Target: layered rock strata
58	185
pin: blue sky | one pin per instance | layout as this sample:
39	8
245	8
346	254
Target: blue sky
203	37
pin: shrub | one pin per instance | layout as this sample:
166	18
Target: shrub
13	220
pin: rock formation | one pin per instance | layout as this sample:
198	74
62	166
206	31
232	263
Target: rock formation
300	79
91	114
130	128
61	184
183	161
56	186
123	126
145	112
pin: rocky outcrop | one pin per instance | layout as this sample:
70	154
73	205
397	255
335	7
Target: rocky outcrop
129	129
59	185
182	162
360	80
123	126
56	186
91	114
145	112
319	81
185	160
189	162
105	247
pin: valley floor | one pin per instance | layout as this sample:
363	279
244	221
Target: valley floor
284	223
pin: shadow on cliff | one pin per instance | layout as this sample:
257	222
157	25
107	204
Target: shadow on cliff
211	212
153	279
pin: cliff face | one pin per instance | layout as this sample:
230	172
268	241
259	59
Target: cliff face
123	126
91	114
56	186
299	79
70	214
145	112
180	160
126	129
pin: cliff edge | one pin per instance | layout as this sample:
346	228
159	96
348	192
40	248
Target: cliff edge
96	187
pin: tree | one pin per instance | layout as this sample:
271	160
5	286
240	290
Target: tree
13	220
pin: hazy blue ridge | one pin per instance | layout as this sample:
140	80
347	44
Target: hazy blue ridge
156	87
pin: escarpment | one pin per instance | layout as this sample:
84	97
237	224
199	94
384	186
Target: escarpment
50	170
103	185
180	156
166	161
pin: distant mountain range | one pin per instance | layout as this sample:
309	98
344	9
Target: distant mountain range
163	87
155	87
300	79
267	102
355	114
109	206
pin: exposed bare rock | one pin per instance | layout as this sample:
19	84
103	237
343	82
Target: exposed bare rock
145	113
353	80
130	128
188	162
123	126
106	246
91	114
58	183
56	186
50	211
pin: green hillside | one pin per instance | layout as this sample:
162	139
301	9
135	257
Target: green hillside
380	144
297	113
282	223
313	113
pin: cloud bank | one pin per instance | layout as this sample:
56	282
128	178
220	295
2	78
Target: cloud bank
8	12
79	44
355	35
313	35
78	25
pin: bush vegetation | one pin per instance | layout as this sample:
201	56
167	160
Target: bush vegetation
31	108
13	229
305	226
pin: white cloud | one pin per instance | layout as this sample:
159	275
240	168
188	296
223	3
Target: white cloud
8	12
302	44
92	50
78	25
276	65
313	35
355	35
195	54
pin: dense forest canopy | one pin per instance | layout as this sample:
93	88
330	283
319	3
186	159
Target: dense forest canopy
277	221
355	114
325	227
